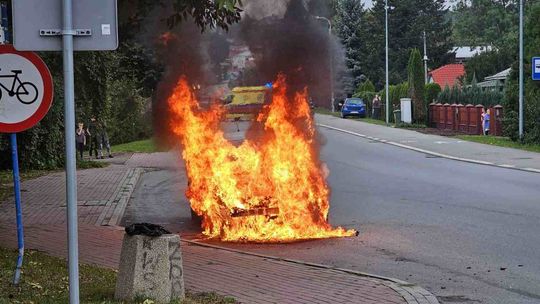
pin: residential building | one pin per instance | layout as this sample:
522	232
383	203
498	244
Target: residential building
495	82
464	53
447	75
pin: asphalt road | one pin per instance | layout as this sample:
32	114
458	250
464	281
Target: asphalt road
468	233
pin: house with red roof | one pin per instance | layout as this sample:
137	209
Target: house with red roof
447	75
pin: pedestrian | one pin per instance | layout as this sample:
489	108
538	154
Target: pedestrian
81	139
92	132
103	140
485	121
376	104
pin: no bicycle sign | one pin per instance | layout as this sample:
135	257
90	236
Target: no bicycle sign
26	89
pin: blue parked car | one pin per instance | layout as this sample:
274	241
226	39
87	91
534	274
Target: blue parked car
353	107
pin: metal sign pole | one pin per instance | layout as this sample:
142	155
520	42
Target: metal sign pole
18	208
71	173
386	63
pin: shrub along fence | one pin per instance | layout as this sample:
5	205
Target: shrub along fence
465	118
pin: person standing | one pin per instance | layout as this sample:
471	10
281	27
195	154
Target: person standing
376	104
92	132
485	121
80	139
103	140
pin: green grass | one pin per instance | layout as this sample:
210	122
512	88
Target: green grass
500	141
325	112
141	146
45	280
90	164
372	121
405	125
336	114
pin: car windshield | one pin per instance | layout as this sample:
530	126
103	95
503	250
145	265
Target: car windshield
354	102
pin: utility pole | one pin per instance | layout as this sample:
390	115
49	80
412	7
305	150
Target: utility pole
425	59
386	85
521	69
332	97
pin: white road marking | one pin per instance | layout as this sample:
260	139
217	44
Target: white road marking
474	161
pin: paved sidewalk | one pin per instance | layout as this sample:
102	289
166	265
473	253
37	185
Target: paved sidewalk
249	278
102	194
438	145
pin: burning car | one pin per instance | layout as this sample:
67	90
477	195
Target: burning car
246	102
270	188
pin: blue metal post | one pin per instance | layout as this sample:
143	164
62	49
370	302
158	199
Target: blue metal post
18	208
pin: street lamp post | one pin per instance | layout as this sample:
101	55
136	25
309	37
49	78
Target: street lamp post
521	69
332	98
425	61
386	85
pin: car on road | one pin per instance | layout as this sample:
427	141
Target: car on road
353	107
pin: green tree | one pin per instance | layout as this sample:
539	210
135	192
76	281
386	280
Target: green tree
349	27
432	92
114	86
204	13
489	63
486	23
407	20
444	96
417	85
366	86
532	88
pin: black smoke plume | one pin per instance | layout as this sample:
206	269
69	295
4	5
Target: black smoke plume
296	44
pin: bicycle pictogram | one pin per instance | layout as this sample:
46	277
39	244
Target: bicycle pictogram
26	92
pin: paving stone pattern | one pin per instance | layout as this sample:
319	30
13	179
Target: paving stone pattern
43	199
104	194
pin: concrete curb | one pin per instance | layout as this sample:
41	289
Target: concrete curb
412	293
467	160
117	205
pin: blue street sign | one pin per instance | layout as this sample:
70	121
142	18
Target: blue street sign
536	68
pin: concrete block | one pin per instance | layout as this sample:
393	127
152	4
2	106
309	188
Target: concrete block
150	267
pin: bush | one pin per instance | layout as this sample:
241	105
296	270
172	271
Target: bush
416	86
366	86
432	92
470	95
396	92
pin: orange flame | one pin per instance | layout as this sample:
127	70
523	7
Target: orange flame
267	190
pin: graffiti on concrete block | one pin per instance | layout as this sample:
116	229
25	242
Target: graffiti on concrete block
149	265
175	272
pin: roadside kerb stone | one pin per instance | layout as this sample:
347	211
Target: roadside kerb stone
117	205
478	162
412	293
150	267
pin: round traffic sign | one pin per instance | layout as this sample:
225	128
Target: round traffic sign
26	89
